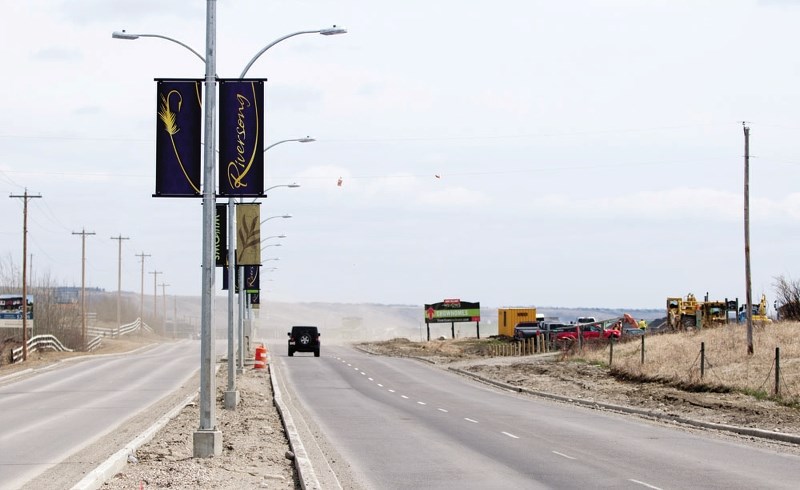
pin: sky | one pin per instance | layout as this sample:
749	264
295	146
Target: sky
516	152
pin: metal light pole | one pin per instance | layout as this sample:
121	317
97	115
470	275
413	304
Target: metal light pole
207	439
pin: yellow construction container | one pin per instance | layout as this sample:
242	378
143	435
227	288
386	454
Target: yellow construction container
508	318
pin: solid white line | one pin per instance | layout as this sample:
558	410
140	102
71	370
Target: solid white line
442	410
422	403
510	435
470	420
643	484
563	455
404	397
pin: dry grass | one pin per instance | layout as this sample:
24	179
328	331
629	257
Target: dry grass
675	359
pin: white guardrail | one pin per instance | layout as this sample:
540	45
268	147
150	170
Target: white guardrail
42	342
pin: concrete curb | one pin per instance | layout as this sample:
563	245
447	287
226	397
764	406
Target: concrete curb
305	471
747	431
95	478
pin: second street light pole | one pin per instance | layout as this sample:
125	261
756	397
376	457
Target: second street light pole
155	295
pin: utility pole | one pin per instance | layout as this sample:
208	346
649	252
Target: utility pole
25	198
155	294
83	234
748	292
164	304
119	281
141	297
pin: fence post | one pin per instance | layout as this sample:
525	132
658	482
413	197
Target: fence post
702	359
610	350
777	371
643	349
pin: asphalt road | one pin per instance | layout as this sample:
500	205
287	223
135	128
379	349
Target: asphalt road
48	416
400	423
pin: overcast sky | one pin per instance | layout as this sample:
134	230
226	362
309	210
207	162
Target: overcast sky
514	152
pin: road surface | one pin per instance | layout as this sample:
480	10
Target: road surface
400	423
53	414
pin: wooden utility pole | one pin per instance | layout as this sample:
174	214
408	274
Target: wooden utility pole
748	291
25	198
83	234
164	304
141	297
155	293
119	281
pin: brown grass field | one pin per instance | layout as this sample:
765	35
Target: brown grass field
674	359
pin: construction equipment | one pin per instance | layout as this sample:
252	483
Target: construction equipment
508	318
682	313
686	313
759	312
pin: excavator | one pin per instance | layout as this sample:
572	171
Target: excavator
759	312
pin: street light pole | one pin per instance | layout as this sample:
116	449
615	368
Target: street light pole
207	439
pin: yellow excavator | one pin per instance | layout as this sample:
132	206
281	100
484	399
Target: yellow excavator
759	312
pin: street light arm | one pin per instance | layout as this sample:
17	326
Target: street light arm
301	140
127	35
329	31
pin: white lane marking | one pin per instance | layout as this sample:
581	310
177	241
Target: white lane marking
643	484
422	403
391	391
470	420
510	435
442	410
354	368
404	397
370	379
380	385
350	365
363	373
563	455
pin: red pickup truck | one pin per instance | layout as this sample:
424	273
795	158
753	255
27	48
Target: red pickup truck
587	332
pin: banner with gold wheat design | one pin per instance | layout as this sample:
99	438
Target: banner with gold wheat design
178	145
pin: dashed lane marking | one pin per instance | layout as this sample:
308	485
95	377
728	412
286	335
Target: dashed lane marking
422	403
643	484
442	410
563	455
510	435
404	397
470	420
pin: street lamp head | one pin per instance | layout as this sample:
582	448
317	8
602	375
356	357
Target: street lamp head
333	31
293	186
307	139
286	216
123	35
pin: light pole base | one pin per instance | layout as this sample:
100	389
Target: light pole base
207	443
231	399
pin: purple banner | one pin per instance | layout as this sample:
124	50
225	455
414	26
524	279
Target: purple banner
241	138
221	236
251	278
178	144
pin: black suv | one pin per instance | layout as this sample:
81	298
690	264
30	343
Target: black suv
304	339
